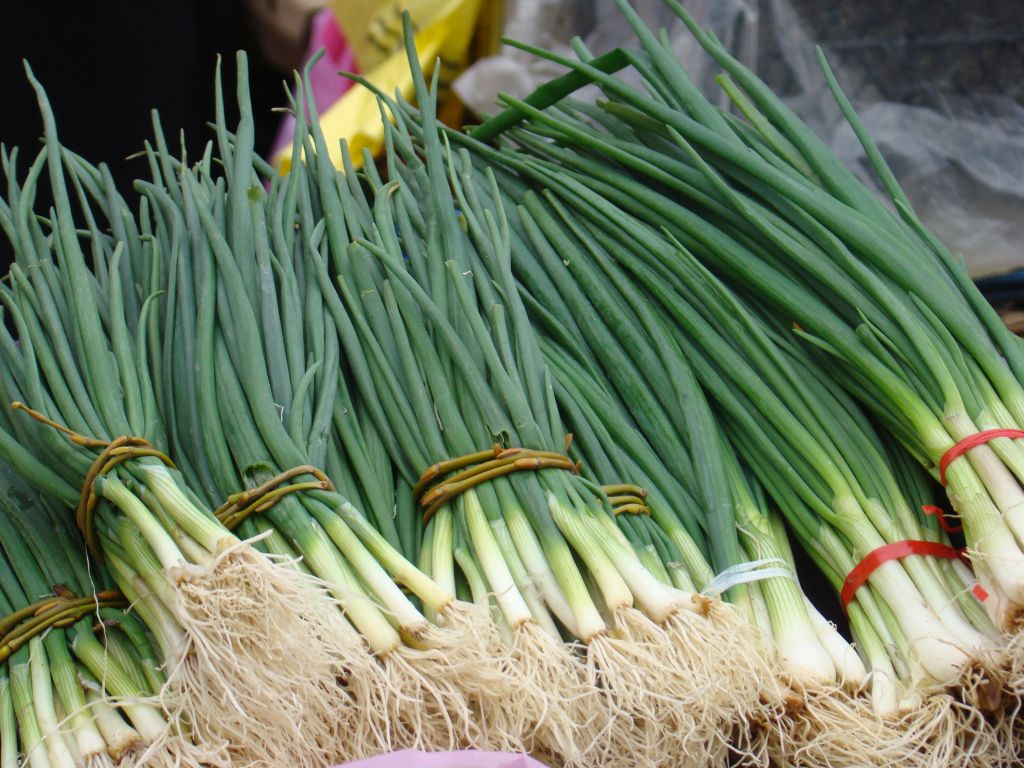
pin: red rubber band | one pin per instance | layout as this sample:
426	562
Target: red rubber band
928	509
977	590
972	441
895	551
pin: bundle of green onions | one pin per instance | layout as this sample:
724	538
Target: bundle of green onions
79	673
253	392
492	446
249	644
816	669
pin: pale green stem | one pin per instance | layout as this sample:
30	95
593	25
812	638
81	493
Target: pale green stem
46	715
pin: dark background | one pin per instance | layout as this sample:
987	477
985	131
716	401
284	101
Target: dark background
106	65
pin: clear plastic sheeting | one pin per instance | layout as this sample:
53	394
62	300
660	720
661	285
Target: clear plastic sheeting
939	84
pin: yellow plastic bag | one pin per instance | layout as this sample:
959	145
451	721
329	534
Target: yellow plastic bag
373	29
444	32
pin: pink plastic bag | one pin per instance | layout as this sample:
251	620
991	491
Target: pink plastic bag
328	85
471	758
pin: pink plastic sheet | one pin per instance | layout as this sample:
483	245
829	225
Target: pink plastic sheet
471	758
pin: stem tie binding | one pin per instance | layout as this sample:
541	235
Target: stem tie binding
114	452
897	551
483	466
61	610
627	499
972	441
241	505
944	524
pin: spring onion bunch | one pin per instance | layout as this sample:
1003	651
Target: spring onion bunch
246	658
211	427
917	608
81	689
817	670
265	396
460	450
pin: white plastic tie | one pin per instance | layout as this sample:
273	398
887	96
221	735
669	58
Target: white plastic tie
745	573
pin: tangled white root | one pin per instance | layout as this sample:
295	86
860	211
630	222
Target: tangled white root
552	703
719	649
426	706
987	702
945	730
470	645
809	727
118	751
362	727
1014	688
1012	658
524	697
263	666
537	698
1012	731
648	703
827	726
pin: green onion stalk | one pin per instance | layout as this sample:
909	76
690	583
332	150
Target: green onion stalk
765	204
543	510
226	455
249	658
651	374
469	536
550	707
536	697
53	709
399	373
